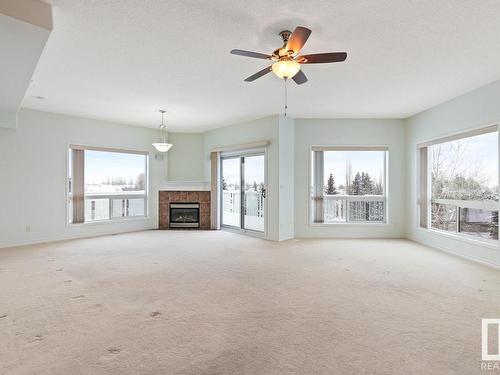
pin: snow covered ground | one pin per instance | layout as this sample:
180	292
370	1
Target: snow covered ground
251	222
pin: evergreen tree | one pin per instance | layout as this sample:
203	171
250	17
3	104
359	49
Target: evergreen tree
254	186
356	185
366	184
330	186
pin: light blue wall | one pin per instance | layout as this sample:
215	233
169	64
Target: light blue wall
348	132
472	110
264	129
286	145
33	170
185	158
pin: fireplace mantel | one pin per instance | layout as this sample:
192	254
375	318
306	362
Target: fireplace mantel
184	186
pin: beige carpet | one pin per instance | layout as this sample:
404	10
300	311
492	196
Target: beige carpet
192	302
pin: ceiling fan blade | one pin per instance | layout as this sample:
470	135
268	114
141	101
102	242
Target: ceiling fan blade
259	74
257	55
321	58
300	78
298	39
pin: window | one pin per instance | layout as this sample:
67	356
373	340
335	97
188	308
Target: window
459	184
349	185
106	184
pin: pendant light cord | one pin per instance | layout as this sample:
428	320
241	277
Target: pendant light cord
162	129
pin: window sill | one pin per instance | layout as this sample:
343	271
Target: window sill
348	224
491	244
114	221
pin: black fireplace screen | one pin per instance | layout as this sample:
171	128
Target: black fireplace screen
184	215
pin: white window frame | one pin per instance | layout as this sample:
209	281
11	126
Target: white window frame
110	197
349	198
424	188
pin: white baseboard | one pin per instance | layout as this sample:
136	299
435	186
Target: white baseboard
490	257
73	236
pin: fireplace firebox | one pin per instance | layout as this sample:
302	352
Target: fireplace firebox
184	215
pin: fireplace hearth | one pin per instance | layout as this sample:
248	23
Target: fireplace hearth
184	215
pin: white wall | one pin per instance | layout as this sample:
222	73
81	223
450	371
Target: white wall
336	132
477	108
24	30
286	143
185	158
33	175
264	129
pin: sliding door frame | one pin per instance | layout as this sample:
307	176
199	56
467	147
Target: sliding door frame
242	154
221	196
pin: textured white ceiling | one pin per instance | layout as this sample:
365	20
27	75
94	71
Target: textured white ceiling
122	60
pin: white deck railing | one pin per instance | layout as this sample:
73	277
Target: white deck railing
354	208
253	204
477	218
106	206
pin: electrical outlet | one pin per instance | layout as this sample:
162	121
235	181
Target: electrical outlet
28	228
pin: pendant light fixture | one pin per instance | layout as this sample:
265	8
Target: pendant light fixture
163	145
286	68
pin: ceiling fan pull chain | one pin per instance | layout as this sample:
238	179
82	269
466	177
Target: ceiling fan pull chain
286	97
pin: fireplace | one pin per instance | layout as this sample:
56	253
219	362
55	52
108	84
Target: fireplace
179	199
184	215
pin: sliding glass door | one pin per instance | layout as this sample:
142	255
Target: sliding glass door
231	192
243	187
254	192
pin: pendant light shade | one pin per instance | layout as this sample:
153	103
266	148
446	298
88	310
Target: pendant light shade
162	145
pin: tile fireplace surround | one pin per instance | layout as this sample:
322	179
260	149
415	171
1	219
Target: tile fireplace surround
167	197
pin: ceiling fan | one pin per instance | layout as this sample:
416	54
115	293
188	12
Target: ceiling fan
287	60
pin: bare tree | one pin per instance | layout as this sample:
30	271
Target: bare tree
455	176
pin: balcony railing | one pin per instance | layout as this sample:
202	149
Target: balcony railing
253	202
472	218
100	207
350	209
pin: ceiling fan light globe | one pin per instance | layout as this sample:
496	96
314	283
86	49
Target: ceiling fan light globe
286	68
162	147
